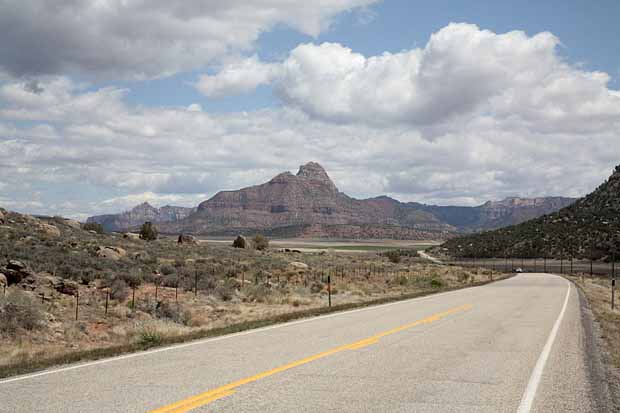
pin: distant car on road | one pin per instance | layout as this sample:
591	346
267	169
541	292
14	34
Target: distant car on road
519	269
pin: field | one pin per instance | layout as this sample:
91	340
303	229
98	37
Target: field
314	245
85	295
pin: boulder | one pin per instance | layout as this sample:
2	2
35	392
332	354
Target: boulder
240	242
3	281
113	253
131	235
28	219
49	230
298	265
2	217
16	265
72	223
140	256
187	239
16	271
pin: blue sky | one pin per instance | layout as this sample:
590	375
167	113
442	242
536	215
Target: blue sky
105	105
588	31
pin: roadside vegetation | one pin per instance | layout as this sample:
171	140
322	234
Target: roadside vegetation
68	291
598	293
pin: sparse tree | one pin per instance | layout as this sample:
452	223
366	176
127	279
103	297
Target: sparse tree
240	242
93	226
148	232
260	242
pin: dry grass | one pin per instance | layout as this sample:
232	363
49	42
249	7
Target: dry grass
598	293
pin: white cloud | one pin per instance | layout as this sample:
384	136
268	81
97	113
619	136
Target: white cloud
547	128
239	77
463	73
125	202
138	39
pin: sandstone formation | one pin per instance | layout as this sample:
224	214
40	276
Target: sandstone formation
308	204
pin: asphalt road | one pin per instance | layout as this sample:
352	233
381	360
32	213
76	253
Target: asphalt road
517	345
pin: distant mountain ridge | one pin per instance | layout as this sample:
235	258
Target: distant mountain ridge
308	204
140	214
588	228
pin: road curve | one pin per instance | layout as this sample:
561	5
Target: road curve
514	345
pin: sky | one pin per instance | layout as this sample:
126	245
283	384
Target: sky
106	104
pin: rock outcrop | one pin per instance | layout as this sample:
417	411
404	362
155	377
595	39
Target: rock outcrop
48	230
112	253
15	271
187	239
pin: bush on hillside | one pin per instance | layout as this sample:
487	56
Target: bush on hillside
93	226
148	231
18	311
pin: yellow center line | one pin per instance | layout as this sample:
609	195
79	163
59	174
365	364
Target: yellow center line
202	399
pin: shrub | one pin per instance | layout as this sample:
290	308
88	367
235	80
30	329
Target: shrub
316	288
93	226
240	242
119	290
170	311
133	279
149	337
225	291
258	293
436	283
260	242
19	311
170	280
393	256
167	269
148	231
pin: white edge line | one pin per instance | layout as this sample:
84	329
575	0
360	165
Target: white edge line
227	336
532	386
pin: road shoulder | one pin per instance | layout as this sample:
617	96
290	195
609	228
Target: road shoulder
604	376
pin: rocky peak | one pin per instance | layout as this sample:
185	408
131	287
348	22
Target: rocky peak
143	206
315	172
284	177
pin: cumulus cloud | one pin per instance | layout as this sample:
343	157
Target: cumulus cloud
139	39
462	73
545	128
238	77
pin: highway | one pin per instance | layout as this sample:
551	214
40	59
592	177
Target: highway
518	345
